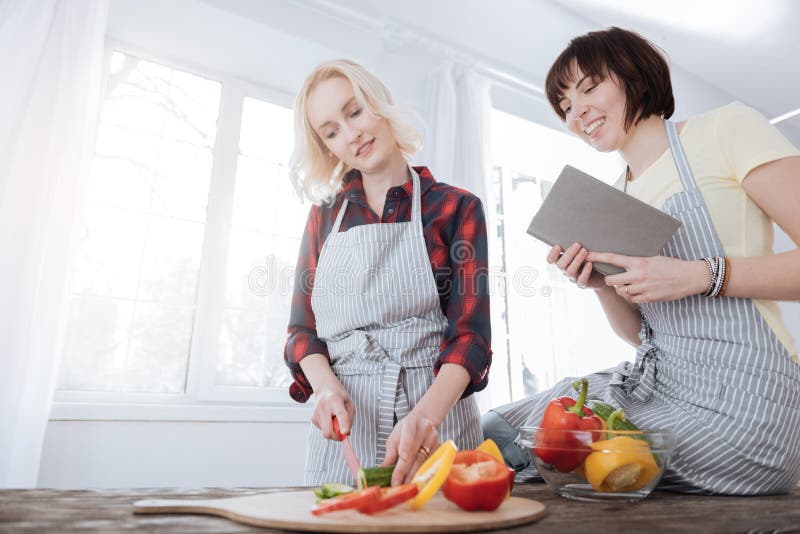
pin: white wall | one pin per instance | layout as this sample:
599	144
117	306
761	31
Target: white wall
137	454
249	45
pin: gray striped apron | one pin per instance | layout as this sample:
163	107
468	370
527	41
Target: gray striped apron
377	308
710	369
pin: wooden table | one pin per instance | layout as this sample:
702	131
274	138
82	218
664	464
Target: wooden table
44	510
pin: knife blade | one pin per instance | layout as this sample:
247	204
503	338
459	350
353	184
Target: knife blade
347	450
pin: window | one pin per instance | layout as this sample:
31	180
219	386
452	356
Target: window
183	275
553	329
264	241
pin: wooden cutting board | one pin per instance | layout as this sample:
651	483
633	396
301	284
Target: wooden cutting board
291	510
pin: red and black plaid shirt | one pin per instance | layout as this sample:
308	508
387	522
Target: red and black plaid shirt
455	234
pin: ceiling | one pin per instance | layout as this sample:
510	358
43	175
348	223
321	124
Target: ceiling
744	50
748	48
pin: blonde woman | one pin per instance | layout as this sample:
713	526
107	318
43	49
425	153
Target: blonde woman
389	327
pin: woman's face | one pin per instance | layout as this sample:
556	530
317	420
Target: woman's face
354	135
594	110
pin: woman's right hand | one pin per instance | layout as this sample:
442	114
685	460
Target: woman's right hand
332	400
575	267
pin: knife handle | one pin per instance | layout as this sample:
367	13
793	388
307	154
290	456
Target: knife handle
338	430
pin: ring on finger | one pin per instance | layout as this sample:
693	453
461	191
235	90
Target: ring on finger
424	451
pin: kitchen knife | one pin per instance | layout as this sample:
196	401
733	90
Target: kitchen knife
347	450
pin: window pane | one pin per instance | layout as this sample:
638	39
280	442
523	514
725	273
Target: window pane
171	261
123	168
267	131
136	272
96	343
555	329
183	176
110	251
268	221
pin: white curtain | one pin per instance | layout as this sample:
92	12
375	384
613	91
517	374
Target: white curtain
457	151
457	140
51	62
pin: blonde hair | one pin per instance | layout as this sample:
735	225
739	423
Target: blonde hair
314	171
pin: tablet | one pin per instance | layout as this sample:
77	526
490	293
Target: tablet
582	209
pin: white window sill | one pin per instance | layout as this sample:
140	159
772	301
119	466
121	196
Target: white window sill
223	413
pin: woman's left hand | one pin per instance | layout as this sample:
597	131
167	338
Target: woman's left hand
654	279
405	446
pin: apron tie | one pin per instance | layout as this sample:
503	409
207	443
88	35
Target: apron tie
393	403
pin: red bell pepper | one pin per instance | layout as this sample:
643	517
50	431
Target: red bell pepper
357	500
477	481
391	497
567	450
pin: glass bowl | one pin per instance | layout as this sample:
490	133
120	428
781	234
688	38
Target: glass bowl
600	465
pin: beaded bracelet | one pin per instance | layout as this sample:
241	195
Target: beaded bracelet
718	273
712	264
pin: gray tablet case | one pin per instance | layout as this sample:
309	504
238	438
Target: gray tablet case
582	209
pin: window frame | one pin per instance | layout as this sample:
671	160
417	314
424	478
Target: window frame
202	399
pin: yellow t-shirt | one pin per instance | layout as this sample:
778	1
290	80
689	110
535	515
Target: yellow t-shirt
722	146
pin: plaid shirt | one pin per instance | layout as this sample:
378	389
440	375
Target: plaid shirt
455	234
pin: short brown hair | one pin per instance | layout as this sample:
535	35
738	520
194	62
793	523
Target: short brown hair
638	65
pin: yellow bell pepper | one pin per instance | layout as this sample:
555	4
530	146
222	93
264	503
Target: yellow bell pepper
620	464
491	448
432	474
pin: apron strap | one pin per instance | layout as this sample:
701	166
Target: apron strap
415	204
690	186
339	216
679	156
416	197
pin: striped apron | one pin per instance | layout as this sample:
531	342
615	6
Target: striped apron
377	308
710	369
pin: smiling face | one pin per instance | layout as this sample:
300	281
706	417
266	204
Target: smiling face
594	109
347	128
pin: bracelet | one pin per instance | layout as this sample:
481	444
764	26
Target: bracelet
725	279
713	269
710	267
719	272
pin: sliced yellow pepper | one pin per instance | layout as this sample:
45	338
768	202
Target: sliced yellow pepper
432	474
620	464
491	448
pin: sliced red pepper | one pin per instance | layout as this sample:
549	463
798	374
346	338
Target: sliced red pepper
391	497
477	481
357	500
567	450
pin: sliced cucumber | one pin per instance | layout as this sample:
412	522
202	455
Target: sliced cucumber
375	476
332	489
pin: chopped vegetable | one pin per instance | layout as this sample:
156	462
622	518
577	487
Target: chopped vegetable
356	500
391	497
566	450
491	448
432	474
620	464
604	412
332	489
477	481
375	476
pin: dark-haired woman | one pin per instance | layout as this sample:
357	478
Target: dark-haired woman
714	361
